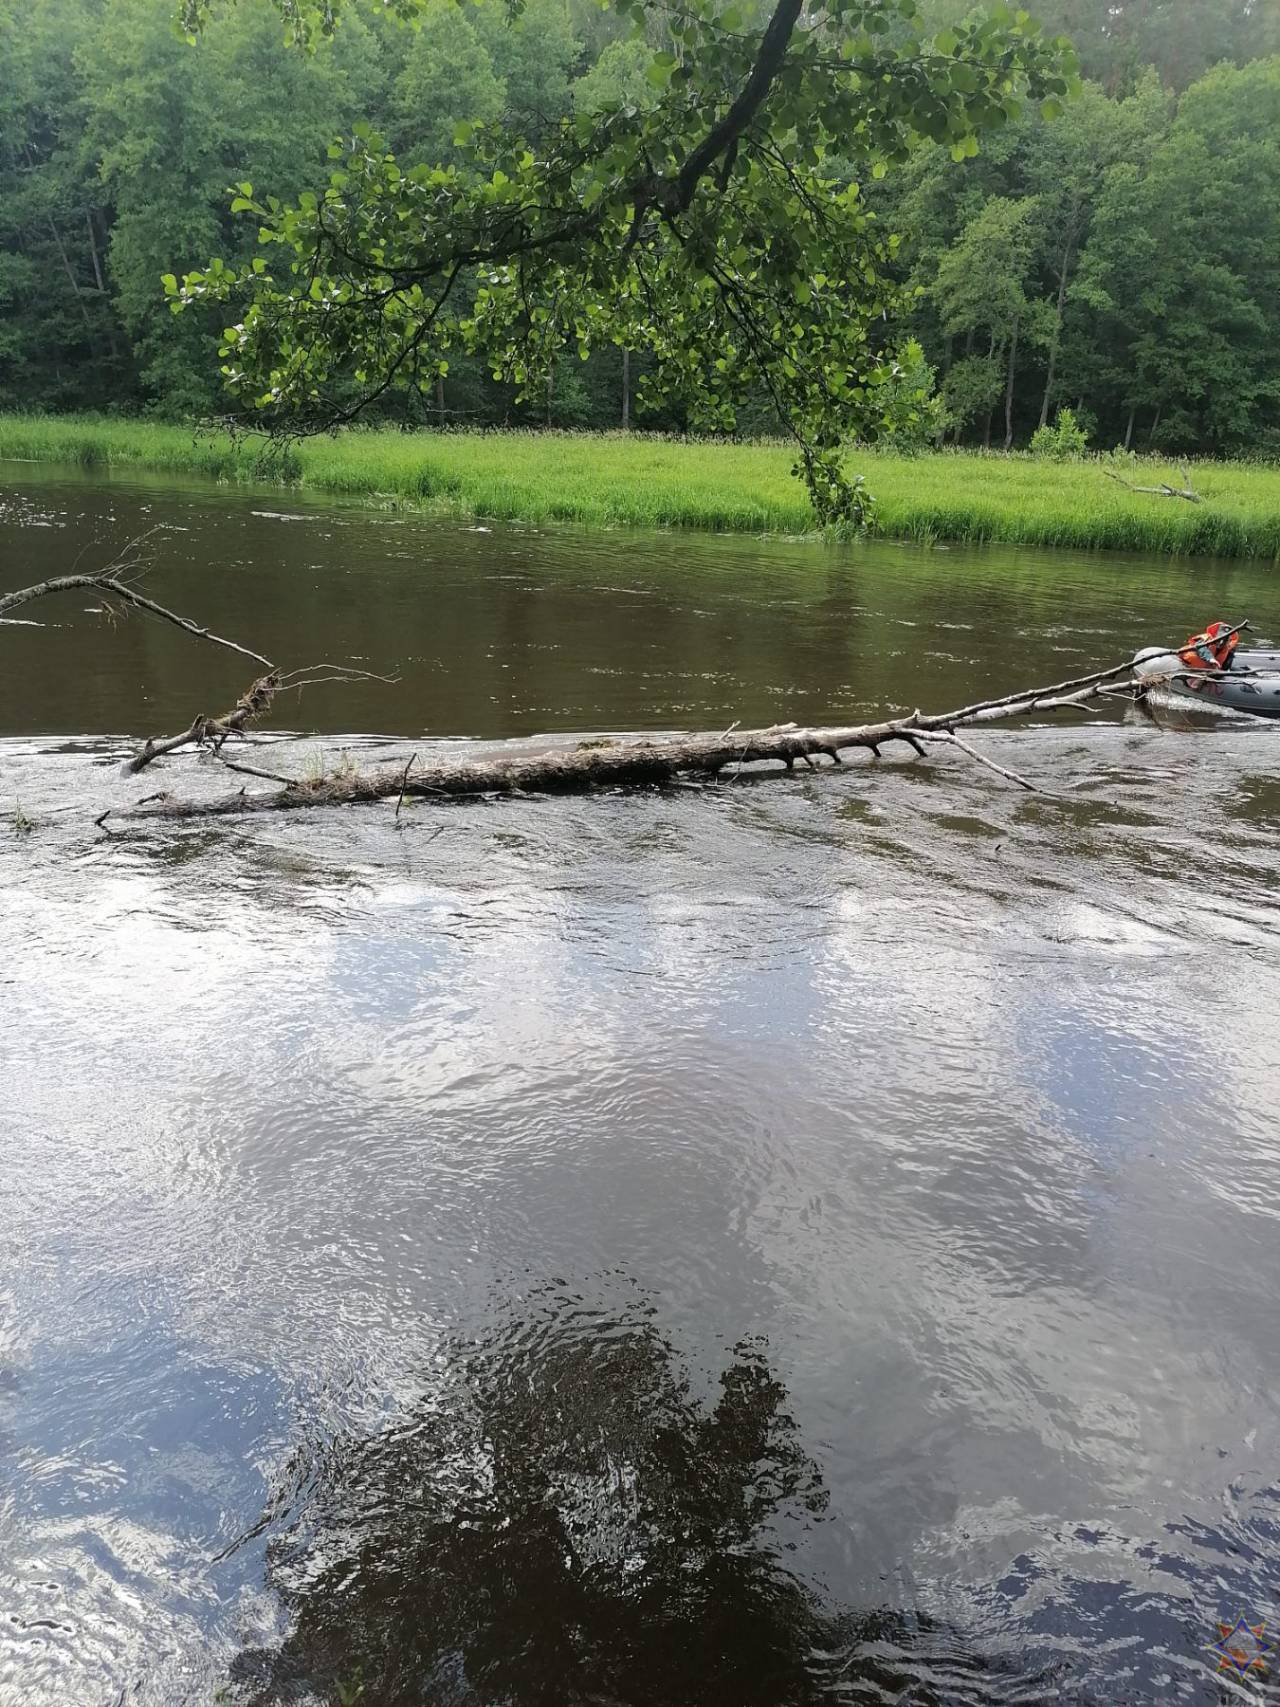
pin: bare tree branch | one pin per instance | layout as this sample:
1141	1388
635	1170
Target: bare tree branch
108	582
1186	490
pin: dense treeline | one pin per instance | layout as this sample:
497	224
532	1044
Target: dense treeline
1121	256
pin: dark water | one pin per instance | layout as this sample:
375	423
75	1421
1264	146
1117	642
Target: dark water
807	1241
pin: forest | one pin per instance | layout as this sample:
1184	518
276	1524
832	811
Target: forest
1117	253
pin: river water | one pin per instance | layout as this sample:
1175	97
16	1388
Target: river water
813	1240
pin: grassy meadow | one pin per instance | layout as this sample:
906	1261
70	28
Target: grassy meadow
612	479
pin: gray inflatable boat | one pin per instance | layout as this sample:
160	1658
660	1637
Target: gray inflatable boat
1250	683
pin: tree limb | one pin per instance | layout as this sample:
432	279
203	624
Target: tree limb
212	731
108	582
594	764
1186	490
750	98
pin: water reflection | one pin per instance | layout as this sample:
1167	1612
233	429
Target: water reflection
559	1519
964	1099
556	1518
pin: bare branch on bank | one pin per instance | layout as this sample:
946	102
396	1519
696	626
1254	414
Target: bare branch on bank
1186	490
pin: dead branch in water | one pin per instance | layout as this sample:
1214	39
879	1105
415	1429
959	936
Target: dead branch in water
108	583
132	562
254	703
596	764
203	731
212	731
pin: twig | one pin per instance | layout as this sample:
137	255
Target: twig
404	783
305	677
253	770
954	740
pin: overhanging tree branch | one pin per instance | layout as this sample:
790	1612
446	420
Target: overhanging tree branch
773	50
557	242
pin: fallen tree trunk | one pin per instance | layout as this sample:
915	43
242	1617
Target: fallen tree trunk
595	764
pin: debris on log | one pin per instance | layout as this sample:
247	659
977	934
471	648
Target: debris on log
254	703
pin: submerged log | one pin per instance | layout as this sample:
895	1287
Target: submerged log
640	762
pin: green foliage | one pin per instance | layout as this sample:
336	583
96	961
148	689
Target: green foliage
619	78
145	91
448	76
610	480
729	251
1118	40
1065	441
917	412
1121	258
1183	266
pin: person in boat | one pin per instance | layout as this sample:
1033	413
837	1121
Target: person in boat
1212	650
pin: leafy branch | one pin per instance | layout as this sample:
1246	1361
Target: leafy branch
720	228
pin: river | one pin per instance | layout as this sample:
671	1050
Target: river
804	1241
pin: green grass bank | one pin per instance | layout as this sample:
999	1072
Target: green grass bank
605	480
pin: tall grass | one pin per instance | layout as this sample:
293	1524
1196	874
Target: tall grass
612	480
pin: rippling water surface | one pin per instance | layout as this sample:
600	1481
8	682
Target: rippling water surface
805	1241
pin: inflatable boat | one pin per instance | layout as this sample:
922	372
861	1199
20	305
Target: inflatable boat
1214	670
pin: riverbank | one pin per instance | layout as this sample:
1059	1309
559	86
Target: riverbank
616	480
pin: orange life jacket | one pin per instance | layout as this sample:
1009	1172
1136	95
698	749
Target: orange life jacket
1211	650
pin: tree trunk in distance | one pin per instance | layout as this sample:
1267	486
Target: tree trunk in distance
1064	274
626	390
1008	390
93	251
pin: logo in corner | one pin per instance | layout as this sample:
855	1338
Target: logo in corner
1242	1648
